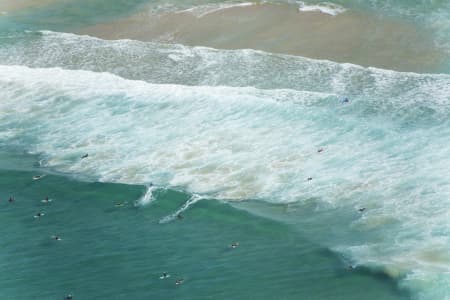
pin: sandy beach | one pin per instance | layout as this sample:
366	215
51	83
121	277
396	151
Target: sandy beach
347	37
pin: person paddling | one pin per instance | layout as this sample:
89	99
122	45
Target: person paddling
55	237
179	281
38	215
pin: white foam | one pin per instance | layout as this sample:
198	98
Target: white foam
185	153
194	199
203	10
239	142
147	198
324	7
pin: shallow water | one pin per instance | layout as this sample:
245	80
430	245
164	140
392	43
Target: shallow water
386	43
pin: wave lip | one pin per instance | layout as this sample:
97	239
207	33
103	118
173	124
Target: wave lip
323	7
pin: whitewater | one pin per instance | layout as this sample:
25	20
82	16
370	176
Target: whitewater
245	126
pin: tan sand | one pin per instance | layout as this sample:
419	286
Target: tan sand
8	6
348	37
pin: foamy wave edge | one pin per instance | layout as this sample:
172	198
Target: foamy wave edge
203	10
324	7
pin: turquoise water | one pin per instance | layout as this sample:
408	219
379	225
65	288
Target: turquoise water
110	252
228	138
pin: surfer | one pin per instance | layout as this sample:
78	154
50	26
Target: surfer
179	281
362	209
309	178
85	156
38	215
180	217
37	177
55	237
46	200
164	276
68	297
345	100
320	150
119	204
11	199
234	245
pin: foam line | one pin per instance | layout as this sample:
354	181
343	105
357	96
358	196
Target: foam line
324	7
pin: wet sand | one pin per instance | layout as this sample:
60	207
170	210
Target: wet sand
7	6
348	37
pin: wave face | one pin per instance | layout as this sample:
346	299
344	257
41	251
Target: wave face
244	124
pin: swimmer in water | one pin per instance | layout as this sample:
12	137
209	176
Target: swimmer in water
309	178
179	281
11	199
38	215
345	100
46	200
180	217
164	276
234	245
68	297
85	156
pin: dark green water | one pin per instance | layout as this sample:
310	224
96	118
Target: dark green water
110	252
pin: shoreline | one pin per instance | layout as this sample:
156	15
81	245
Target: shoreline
347	37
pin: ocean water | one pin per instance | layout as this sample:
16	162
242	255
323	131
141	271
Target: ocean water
109	252
192	148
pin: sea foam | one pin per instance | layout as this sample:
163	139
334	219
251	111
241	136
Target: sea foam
324	7
385	150
203	10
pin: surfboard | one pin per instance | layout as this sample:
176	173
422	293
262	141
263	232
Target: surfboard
37	177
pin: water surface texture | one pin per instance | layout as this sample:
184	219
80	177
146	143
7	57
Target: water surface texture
314	136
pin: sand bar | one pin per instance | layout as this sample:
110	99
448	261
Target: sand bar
347	37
